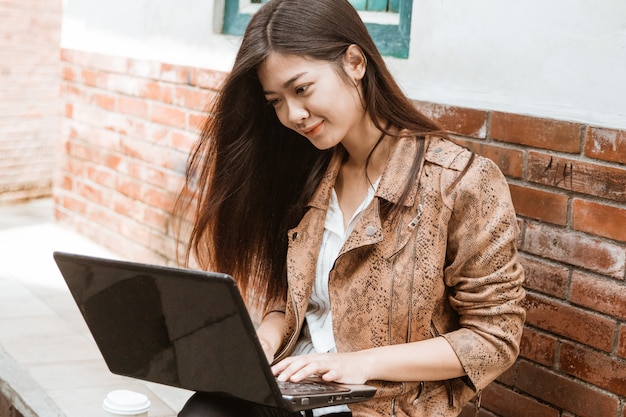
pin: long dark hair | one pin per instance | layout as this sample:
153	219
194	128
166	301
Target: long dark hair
250	178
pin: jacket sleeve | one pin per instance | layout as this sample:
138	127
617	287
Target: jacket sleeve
483	272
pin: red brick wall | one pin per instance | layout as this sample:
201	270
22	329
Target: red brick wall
29	88
128	126
568	182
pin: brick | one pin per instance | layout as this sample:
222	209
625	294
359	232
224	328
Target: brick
208	79
81	151
156	219
505	402
90	191
154	90
545	277
170	116
599	219
575	249
538	347
157	134
176	74
63	181
102	176
94	78
508	377
462	121
575	175
69	73
146	194
150	174
143	68
75	167
105	101
606	144
123	84
599	294
100	215
134	231
509	160
541	205
73	91
141	150
162	157
74	204
197	121
134	127
536	132
148	217
90	114
571	322
621	345
191	97
162	244
99	138
565	393
133	107
183	141
160	199
594	367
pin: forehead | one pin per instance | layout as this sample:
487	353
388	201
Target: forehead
278	69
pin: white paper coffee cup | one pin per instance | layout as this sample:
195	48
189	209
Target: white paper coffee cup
126	403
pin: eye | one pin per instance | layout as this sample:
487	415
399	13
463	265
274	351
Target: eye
301	89
272	102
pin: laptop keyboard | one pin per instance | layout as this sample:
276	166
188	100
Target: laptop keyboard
308	387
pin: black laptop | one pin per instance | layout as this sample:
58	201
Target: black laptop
184	328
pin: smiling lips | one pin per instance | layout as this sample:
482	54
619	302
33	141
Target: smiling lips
313	130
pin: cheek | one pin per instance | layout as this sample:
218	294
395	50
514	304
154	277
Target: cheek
282	117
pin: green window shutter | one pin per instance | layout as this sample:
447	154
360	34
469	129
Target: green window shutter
359	4
391	39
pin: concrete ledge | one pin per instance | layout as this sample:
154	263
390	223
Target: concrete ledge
22	392
50	365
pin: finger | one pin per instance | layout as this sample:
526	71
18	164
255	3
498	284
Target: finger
306	370
281	366
331	375
295	369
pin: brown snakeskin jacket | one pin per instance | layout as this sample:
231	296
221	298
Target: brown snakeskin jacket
446	266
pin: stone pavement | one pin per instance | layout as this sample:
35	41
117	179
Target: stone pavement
49	364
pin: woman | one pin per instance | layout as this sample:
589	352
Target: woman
375	249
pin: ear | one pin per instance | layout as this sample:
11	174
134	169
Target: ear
354	62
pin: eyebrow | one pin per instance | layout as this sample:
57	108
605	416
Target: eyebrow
288	82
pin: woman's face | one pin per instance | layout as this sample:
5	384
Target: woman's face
311	98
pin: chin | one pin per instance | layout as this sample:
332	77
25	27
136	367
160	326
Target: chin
323	144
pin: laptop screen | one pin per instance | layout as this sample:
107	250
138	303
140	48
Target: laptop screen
179	328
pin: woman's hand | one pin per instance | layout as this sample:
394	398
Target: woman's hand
427	360
347	368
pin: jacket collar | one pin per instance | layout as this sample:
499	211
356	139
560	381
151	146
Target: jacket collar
396	175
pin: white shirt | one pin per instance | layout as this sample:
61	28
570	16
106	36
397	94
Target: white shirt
317	335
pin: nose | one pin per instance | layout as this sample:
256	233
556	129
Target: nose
297	112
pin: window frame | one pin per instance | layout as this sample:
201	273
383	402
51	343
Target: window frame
392	40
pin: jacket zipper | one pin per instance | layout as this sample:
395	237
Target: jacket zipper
412	225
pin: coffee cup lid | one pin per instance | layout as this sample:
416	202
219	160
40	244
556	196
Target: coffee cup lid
125	402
